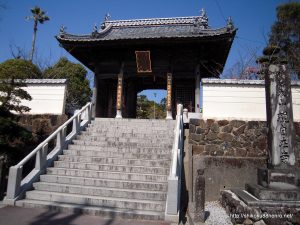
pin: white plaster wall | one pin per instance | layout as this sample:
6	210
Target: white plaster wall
240	101
46	98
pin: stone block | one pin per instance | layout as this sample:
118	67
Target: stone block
227	129
200	130
198	149
240	152
211	136
195	137
214	128
209	122
195	122
237	123
253	125
225	137
212	148
192	128
223	122
240	130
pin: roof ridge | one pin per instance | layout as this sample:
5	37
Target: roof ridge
153	21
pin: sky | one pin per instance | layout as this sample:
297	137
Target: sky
253	18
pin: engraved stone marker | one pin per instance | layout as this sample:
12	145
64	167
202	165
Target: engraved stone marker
279	110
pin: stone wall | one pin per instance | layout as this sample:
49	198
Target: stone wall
229	152
233	138
43	124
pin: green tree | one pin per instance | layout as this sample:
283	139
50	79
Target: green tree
285	33
38	16
12	73
78	90
145	108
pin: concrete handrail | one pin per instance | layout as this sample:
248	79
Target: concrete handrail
174	179
16	185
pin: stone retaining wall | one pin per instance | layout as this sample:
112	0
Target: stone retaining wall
229	152
233	138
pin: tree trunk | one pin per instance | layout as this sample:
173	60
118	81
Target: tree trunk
33	40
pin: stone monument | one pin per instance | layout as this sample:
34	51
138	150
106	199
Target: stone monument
275	199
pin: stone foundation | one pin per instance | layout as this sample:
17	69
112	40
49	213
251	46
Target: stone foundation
230	152
240	213
233	138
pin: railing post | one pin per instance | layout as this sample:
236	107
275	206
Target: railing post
179	109
89	113
41	157
75	127
172	202
14	182
61	138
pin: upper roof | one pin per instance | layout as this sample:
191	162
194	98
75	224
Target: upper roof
157	28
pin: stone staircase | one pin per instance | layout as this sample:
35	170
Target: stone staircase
115	168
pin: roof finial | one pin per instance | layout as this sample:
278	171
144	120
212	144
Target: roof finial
202	20
62	30
107	17
230	24
95	28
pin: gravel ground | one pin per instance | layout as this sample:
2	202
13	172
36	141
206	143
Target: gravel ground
217	214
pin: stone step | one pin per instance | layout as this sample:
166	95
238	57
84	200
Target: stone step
114	161
107	175
276	177
92	210
125	144
108	183
149	140
111	167
276	194
130	204
128	149
141	126
127	140
101	191
116	154
132	120
116	133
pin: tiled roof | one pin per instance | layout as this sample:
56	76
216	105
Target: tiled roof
45	81
237	81
178	27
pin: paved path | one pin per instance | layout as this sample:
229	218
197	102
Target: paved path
23	216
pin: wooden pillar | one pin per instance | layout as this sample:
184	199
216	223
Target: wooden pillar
169	97
120	93
197	89
130	99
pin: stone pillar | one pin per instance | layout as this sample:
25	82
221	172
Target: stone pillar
94	97
200	197
279	110
197	89
169	97
120	93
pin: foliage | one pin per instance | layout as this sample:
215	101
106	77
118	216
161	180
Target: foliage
285	33
38	16
78	90
145	109
12	73
19	69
